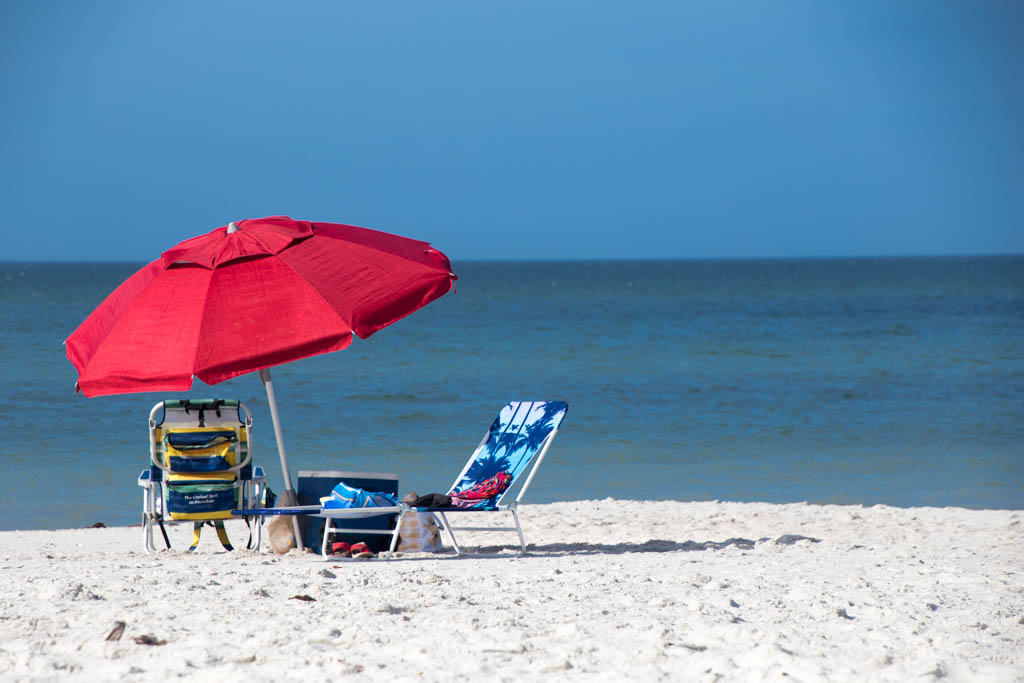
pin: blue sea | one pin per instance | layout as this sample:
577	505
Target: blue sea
850	381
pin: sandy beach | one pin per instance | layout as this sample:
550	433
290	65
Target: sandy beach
609	590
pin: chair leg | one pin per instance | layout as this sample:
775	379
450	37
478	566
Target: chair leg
250	501
519	529
258	521
147	520
455	544
147	534
394	536
327	532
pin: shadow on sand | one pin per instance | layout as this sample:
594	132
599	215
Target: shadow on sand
651	546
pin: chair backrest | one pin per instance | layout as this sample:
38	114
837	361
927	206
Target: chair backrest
196	436
200	449
521	431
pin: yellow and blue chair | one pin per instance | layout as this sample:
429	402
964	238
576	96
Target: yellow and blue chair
200	468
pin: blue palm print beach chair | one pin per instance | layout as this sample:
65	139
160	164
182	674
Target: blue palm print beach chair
513	447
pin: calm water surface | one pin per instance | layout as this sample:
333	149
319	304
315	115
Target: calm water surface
896	381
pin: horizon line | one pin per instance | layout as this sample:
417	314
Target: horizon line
851	257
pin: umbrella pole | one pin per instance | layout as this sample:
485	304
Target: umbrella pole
288	496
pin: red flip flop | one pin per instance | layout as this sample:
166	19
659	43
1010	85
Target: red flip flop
341	548
361	551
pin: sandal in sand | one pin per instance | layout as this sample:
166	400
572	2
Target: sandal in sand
361	551
341	549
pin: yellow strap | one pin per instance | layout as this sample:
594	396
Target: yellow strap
222	534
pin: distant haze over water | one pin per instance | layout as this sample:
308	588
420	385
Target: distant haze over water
895	381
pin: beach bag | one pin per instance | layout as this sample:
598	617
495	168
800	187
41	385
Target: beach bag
279	529
200	483
419	533
280	534
196	451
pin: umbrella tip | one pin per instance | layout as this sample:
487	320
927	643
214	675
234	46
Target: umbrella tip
232	227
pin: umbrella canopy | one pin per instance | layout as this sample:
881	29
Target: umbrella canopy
247	296
239	299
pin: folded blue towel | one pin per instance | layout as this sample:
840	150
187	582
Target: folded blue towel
345	496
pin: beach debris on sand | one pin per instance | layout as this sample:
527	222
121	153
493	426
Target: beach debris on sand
148	640
117	631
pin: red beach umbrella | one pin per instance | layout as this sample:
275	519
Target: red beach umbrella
248	296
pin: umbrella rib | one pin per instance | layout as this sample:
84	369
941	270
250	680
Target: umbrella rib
307	283
202	321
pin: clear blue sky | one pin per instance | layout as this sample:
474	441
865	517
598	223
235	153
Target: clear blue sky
511	130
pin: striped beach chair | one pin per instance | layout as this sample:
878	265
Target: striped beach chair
200	468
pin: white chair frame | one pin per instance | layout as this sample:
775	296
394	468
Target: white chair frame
512	507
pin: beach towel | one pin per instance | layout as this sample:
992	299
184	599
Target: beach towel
344	496
484	493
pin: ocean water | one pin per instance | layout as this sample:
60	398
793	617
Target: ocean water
851	381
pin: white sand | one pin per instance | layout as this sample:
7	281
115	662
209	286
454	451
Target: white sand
610	590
